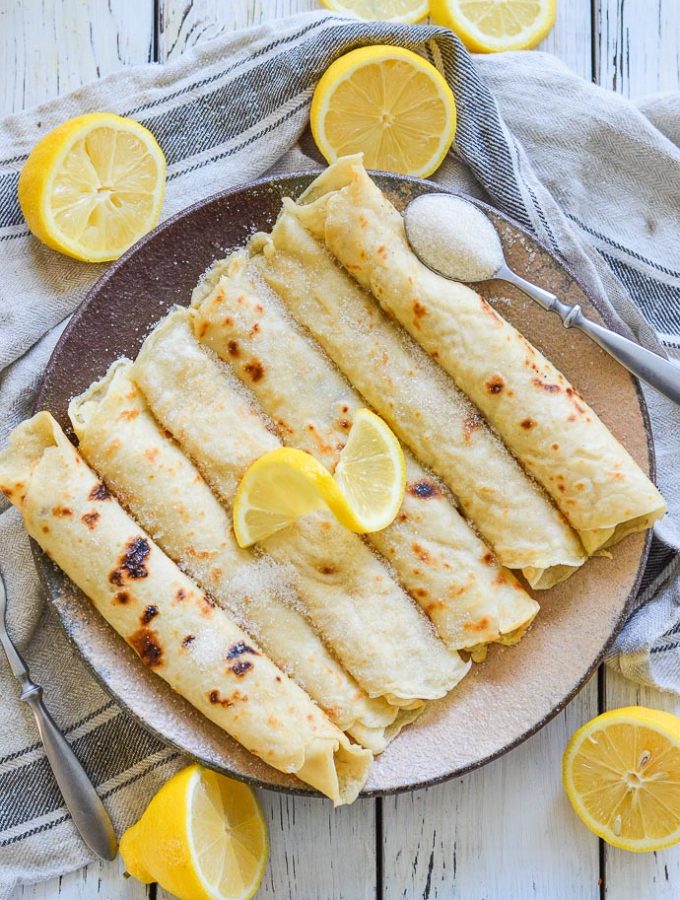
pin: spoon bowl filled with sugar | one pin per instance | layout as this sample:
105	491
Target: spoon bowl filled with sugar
454	238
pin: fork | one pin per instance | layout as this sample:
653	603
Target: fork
82	801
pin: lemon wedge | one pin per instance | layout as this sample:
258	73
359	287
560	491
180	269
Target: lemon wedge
621	772
407	11
489	26
202	837
387	103
93	186
285	484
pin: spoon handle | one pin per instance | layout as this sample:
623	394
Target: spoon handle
655	370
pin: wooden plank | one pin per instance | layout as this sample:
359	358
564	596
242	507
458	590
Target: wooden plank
49	47
185	23
641	875
99	879
636	46
505	831
570	39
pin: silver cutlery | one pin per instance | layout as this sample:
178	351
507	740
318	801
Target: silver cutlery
86	809
656	371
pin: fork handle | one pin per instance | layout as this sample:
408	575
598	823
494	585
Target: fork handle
82	801
657	371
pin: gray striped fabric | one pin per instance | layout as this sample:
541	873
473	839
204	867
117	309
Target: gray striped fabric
592	176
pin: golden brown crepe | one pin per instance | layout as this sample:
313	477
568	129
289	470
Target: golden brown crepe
542	418
377	633
175	629
163	490
421	406
454	577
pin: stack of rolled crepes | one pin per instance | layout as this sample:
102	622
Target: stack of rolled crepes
318	634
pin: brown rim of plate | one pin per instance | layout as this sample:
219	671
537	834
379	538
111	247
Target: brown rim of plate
386	180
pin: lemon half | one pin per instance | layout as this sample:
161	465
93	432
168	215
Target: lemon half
488	26
389	104
202	837
621	772
285	484
93	186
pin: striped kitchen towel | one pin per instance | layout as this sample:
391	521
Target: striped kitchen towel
591	175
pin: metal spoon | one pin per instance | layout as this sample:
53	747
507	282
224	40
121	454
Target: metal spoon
82	801
656	371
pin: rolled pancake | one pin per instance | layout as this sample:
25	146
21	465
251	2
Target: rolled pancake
173	627
363	616
421	405
165	493
542	418
469	597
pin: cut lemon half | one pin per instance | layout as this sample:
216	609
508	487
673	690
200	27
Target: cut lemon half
621	772
407	11
202	837
93	186
387	103
285	484
489	26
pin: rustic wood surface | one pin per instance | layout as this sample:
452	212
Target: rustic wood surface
505	832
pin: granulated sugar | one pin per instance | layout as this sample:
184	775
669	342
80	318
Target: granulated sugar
453	237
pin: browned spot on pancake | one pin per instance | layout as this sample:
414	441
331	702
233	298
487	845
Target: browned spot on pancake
45	529
255	369
61	511
382	251
327	570
489	558
618	476
239	649
555	446
149	613
241	667
480	625
145	642
420	592
501	578
420	552
528	423
403	517
494	384
254	330
233	348
129	414
546	385
259	308
344	409
419	310
132	563
189	639
278	678
344	424
471	423
416	572
90	519
227	321
571	391
121	597
151	453
234	697
561	488
202	328
423	489
572	417
99	492
208	604
181	594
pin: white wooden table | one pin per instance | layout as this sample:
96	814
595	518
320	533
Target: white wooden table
505	832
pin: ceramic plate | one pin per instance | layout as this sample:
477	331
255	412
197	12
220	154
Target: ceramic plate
501	702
